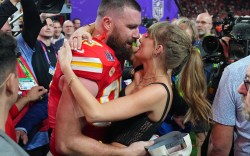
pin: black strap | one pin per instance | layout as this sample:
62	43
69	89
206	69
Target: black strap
168	99
140	67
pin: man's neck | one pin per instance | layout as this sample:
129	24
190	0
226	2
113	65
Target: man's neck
201	37
204	35
46	41
98	30
67	37
56	37
4	111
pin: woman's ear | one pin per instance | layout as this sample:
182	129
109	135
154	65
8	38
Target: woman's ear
158	50
107	23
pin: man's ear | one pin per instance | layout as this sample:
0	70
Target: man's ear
11	85
107	23
210	26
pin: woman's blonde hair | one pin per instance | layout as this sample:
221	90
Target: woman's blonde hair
180	54
190	24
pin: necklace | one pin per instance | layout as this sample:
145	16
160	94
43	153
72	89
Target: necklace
148	78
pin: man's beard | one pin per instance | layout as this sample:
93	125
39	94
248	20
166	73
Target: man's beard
245	110
201	32
121	51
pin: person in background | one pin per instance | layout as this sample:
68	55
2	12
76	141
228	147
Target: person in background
26	41
204	26
189	26
77	23
227	114
244	91
230	126
167	19
8	91
45	57
57	31
68	30
34	61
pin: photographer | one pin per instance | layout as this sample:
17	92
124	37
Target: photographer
204	26
227	105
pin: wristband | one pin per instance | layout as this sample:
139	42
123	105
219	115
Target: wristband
70	81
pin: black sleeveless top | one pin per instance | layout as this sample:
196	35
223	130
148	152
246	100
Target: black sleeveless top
138	128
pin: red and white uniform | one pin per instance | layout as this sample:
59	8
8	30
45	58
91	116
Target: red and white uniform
96	62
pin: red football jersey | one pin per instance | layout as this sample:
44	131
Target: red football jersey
96	62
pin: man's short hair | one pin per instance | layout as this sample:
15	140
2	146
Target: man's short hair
75	19
8	53
119	5
56	21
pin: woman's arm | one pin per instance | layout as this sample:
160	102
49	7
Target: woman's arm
71	141
142	101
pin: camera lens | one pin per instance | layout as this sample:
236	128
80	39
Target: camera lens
237	48
210	44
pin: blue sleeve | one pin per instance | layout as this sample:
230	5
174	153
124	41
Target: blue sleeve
22	45
58	44
35	115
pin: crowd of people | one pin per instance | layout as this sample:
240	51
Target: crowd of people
217	8
63	92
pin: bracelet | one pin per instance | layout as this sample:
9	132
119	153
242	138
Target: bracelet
70	81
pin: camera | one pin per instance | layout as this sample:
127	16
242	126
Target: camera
238	29
239	49
216	57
